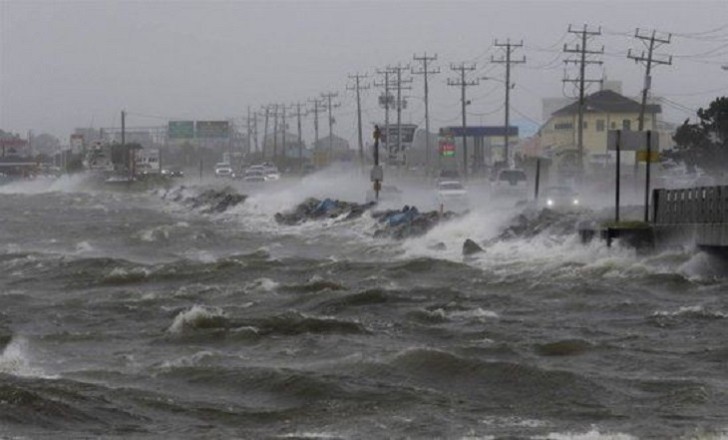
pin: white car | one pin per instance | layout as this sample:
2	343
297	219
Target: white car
271	173
452	196
223	169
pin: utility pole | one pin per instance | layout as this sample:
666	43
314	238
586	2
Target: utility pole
508	61
359	87
265	129
316	108
283	132
582	80
300	138
463	83
123	127
399	84
384	101
649	60
249	129
424	59
275	132
330	106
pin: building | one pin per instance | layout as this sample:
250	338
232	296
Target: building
603	111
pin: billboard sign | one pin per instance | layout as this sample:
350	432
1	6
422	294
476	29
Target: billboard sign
181	130
631	140
447	148
212	129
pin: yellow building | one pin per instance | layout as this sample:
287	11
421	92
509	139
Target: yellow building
603	111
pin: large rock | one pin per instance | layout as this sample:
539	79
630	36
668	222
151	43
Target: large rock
408	222
315	209
533	222
470	247
209	201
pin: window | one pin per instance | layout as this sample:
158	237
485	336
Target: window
564	126
584	125
626	124
613	125
600	124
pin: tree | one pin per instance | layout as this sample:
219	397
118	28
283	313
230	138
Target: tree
705	144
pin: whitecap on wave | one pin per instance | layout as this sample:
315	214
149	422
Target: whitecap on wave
16	360
196	317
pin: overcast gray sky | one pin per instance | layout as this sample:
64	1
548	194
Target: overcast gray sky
66	64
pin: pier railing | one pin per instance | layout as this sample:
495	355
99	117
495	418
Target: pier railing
702	205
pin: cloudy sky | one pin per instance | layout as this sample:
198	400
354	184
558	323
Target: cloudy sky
66	64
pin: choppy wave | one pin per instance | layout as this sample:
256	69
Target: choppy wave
199	317
16	359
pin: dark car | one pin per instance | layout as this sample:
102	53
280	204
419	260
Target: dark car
560	197
173	172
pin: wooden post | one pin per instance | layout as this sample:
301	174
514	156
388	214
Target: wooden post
616	185
647	175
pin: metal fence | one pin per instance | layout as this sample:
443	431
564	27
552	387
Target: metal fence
703	205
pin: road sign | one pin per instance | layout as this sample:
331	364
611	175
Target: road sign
631	140
212	129
642	156
377	173
181	130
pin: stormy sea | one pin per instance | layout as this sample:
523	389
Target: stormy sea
195	311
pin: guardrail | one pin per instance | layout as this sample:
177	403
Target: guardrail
701	205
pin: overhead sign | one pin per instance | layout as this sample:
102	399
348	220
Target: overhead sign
479	131
181	130
212	129
631	140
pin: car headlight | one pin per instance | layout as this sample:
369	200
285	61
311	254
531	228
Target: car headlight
549	202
